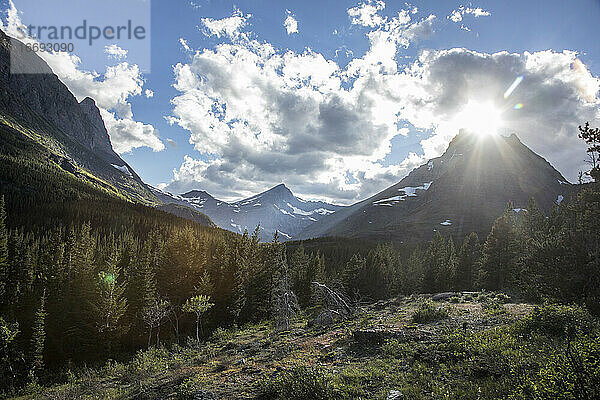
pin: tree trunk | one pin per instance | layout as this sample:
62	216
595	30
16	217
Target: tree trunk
149	337
158	336
197	327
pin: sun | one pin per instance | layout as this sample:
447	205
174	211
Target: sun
480	118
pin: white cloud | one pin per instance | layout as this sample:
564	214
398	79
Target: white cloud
457	15
326	130
115	52
184	44
367	13
226	27
111	91
290	23
149	93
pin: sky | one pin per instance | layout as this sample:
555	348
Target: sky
336	99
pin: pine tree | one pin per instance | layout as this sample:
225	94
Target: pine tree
468	257
500	254
299	272
434	260
38	339
109	302
285	302
4	271
592	138
352	277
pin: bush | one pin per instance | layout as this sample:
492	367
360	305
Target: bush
145	364
573	373
190	388
557	320
492	307
300	383
427	312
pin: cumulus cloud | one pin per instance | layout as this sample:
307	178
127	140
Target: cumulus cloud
115	52
290	23
326	130
149	93
111	90
457	15
366	13
226	27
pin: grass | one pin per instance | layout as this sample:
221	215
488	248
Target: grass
427	311
438	358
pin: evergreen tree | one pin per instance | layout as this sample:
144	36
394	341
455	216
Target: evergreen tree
38	339
500	254
468	257
299	272
352	277
109	303
285	302
434	262
4	271
591	136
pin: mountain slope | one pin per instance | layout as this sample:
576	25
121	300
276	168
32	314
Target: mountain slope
276	209
42	109
460	192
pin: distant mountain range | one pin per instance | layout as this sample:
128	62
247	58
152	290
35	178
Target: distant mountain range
276	209
44	128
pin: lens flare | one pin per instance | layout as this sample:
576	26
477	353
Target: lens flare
518	106
480	118
514	85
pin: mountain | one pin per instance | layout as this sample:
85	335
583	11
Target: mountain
38	111
186	213
460	192
276	209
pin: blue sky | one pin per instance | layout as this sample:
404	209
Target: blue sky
152	116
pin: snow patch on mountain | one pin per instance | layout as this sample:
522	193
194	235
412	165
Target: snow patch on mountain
123	169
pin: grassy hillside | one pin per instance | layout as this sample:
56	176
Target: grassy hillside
473	345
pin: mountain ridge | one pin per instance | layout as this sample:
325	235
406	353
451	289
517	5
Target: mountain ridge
275	209
462	191
38	105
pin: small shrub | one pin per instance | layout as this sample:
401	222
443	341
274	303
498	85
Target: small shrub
427	312
556	320
502	298
492	307
222	335
190	388
573	373
145	364
300	383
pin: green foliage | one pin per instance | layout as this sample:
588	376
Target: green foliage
591	136
190	387
499	260
570	374
557	320
427	311
38	338
300	383
197	305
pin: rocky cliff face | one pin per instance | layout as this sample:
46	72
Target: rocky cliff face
460	192
38	102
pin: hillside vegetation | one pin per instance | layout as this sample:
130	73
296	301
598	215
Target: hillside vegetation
480	345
